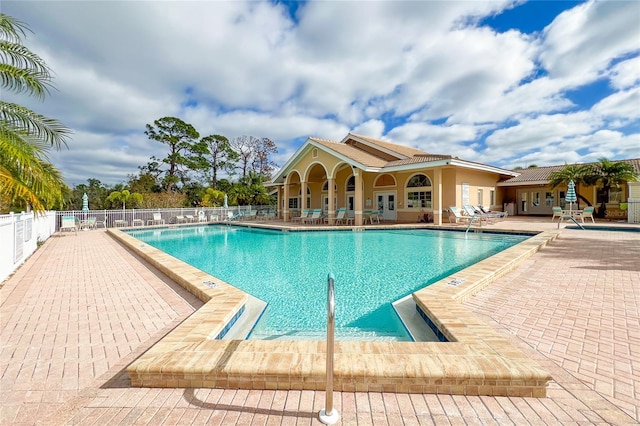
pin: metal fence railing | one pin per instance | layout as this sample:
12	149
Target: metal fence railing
142	217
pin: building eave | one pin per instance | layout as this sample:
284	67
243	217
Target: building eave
523	183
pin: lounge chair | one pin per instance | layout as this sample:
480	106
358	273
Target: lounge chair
343	217
456	216
213	217
231	216
586	212
157	219
557	212
471	211
315	217
492	216
69	224
189	218
303	215
90	223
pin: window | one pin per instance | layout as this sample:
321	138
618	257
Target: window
615	195
314	153
492	197
549	199
293	203
419	194
308	196
419	199
351	184
418	181
535	199
465	193
325	187
480	197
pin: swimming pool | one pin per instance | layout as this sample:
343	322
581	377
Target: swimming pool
289	269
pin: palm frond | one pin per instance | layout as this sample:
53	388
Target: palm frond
21	119
11	28
25	80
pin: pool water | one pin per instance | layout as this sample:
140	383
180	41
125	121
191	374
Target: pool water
288	270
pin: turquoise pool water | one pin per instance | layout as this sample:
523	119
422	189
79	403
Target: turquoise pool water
288	270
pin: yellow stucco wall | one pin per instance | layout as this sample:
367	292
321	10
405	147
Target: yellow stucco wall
314	167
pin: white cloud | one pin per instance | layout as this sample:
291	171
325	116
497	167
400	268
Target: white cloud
245	68
626	73
582	42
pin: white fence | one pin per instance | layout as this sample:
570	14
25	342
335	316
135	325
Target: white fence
20	234
633	211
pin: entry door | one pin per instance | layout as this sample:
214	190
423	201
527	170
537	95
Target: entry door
351	205
386	205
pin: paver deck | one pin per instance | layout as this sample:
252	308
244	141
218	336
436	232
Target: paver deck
83	307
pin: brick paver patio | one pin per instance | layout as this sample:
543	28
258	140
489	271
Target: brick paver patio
82	308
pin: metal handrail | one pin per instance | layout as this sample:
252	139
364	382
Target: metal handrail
470	222
329	415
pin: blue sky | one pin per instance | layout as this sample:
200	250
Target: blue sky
506	83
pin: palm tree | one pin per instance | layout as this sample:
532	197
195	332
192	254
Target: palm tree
607	174
571	172
27	179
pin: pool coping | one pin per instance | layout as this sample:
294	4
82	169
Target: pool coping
477	360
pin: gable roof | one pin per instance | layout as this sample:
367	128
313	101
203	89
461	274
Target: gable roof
541	175
400	151
374	155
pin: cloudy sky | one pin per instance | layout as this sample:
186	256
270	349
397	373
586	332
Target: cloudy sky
507	83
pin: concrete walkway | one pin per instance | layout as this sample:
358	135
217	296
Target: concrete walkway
82	308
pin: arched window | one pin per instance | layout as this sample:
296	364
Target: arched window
351	184
418	181
418	192
325	187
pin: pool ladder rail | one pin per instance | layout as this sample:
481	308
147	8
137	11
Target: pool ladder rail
329	415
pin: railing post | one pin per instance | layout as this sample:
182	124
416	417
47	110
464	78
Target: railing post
328	415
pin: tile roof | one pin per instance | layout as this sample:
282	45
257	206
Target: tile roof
542	174
406	156
406	151
353	153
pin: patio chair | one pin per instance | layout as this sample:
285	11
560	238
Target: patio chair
471	211
231	216
586	212
157	219
91	223
303	215
315	217
456	216
189	218
69	224
214	217
374	216
557	212
343	217
492	215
